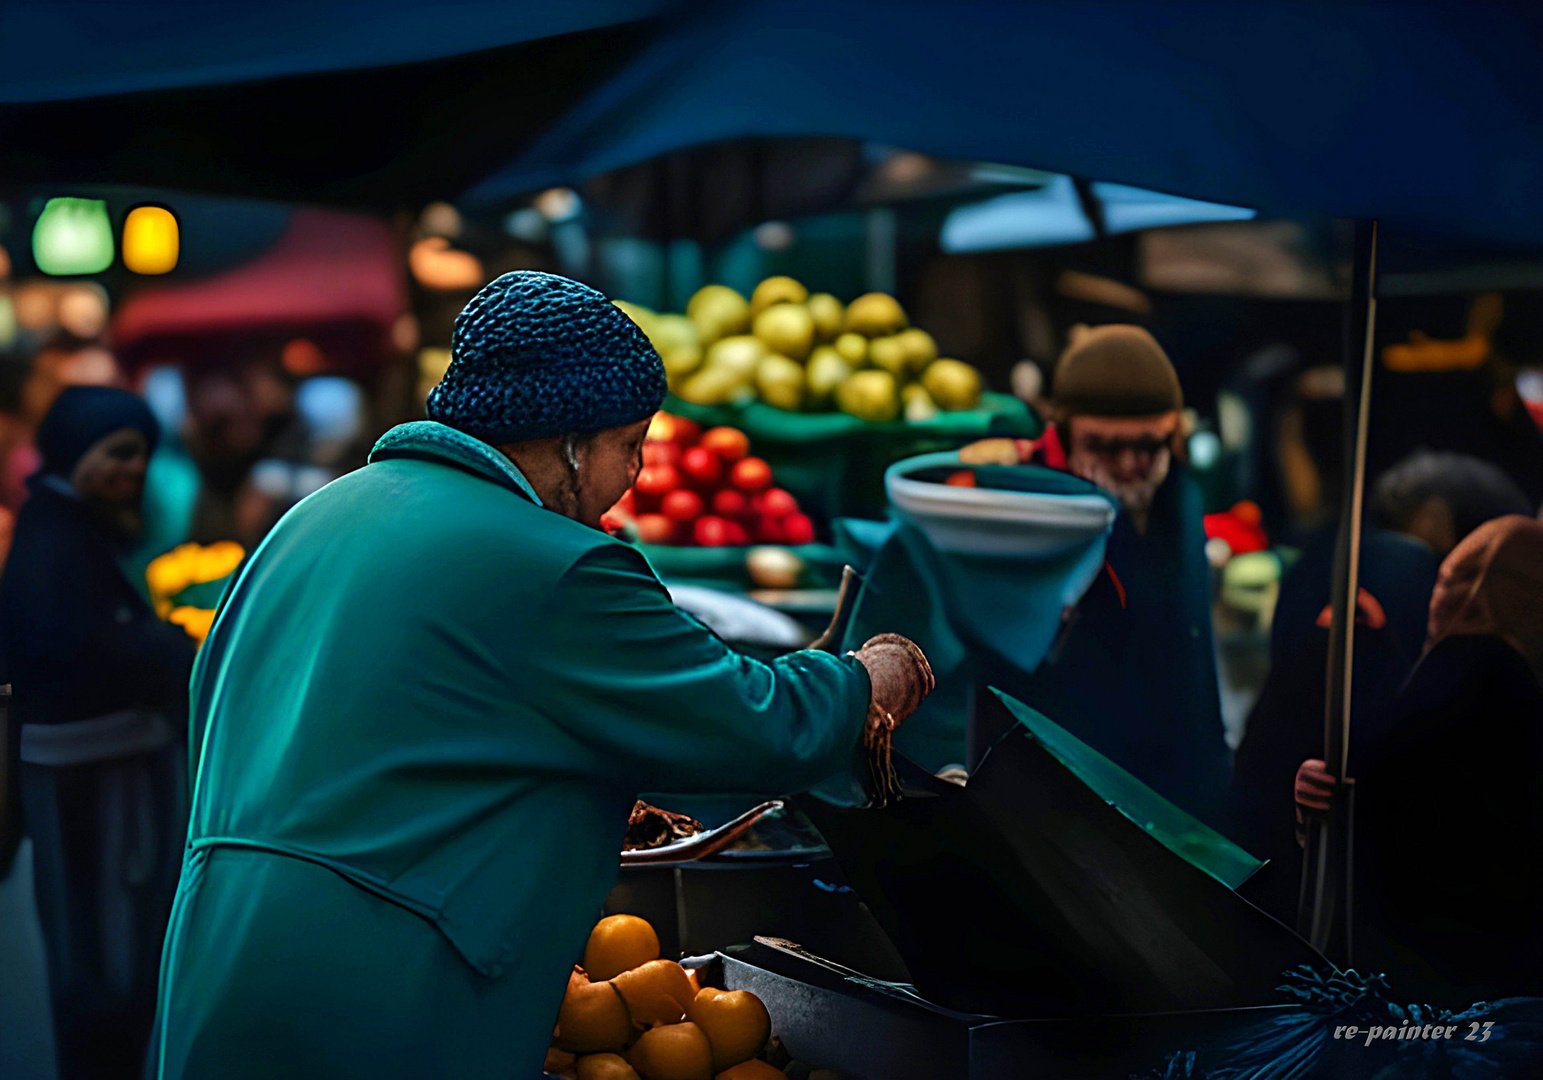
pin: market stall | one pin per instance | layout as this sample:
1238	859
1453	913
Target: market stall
1052	915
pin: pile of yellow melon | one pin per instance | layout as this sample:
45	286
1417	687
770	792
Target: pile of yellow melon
628	1015
806	353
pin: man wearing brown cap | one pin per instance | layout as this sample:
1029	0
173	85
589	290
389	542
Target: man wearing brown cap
1134	674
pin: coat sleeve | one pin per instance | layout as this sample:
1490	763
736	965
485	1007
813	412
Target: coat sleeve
654	693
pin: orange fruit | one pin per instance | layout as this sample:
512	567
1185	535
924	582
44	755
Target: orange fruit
617	944
695	980
673	1052
557	1060
735	1022
593	1017
748	1070
657	992
605	1067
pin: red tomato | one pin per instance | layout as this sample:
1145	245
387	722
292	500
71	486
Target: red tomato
730	504
654	482
660	453
657	480
751	474
770	531
627	504
962	478
798	529
656	529
728	443
681	505
711	531
703	467
686	431
736	535
776	503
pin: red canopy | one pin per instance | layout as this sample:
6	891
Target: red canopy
335	277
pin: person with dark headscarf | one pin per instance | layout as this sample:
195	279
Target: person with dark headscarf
1417	511
1286	723
428	705
1439	498
1449	802
98	709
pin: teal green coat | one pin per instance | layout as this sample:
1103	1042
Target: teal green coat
418	726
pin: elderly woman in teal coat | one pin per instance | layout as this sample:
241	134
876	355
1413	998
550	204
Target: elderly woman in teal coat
426	708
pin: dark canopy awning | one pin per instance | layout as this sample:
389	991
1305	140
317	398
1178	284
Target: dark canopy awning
1428	116
379	103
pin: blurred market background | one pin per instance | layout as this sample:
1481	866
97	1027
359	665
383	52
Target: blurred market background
336	203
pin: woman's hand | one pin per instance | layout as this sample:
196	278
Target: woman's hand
898	673
1315	787
900	679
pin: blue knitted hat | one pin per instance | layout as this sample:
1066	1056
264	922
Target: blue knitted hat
535	355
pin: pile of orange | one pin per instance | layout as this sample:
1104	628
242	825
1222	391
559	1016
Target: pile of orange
628	1015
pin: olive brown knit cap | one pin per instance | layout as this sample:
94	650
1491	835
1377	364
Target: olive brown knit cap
535	355
1117	370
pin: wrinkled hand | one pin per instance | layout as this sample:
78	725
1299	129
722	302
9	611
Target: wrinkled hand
900	680
1315	787
898	672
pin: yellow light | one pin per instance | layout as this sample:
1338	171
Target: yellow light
151	240
438	266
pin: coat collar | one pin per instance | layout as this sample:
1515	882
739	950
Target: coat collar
431	441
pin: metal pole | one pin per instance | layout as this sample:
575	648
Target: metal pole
1324	906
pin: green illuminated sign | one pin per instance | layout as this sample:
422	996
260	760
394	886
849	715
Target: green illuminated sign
73	236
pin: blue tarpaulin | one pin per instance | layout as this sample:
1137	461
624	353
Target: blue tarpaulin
54	50
360	103
1428	116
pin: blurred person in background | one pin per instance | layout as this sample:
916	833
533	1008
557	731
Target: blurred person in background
331	415
239	415
172	480
1417	512
1134	673
99	709
1439	498
1449	801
